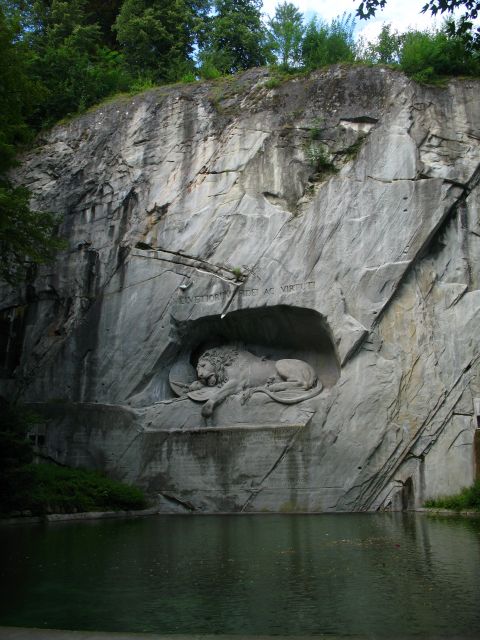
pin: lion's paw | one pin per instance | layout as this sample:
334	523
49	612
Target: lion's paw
246	395
207	409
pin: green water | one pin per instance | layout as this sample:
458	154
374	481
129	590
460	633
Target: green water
382	575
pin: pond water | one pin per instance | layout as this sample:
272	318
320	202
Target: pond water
372	574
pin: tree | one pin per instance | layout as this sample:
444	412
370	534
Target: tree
286	34
235	37
463	27
63	52
104	14
328	43
156	37
25	236
387	47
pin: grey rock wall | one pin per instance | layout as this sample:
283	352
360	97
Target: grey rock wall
334	218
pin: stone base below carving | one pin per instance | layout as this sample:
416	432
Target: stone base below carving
196	468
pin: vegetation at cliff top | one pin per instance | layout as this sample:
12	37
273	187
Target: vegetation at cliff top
59	57
467	500
464	27
48	488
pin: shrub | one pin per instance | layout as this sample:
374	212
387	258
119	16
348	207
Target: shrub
273	83
48	488
318	156
209	71
427	55
141	83
468	498
43	488
189	77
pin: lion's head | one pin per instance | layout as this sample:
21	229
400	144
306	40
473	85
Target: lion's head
211	365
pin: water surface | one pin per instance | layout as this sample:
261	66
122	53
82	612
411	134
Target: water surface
381	574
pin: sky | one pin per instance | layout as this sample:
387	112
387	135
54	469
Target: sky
402	14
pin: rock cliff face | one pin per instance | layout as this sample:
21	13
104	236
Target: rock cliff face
333	219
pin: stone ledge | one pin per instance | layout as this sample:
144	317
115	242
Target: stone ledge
447	512
83	515
239	426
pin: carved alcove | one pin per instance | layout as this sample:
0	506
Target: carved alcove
275	333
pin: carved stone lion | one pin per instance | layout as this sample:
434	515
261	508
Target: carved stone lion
233	371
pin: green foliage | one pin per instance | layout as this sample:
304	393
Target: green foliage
70	63
17	93
328	43
74	80
428	55
15	450
235	37
238	273
463	28
319	158
273	82
467	499
188	78
286	34
48	488
317	129
25	236
141	84
156	38
386	49
208	70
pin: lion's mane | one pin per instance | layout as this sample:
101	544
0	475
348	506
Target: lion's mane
220	358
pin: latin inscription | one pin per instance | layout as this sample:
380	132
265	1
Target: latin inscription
289	288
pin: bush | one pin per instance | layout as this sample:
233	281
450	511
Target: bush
48	488
467	499
44	488
141	83
319	158
189	77
427	56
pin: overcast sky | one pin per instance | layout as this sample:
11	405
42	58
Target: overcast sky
400	13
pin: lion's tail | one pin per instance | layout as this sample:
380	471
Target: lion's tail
305	396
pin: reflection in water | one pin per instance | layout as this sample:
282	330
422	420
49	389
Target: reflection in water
271	574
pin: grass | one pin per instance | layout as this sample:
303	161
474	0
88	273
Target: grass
48	488
319	158
316	131
273	83
467	500
238	273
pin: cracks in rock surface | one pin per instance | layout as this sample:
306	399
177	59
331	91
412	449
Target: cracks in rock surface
393	464
425	248
200	265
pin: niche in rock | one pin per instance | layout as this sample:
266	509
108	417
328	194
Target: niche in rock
270	333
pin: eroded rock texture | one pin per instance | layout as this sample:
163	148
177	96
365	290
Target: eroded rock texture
334	219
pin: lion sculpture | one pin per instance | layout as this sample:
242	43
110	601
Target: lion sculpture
233	371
